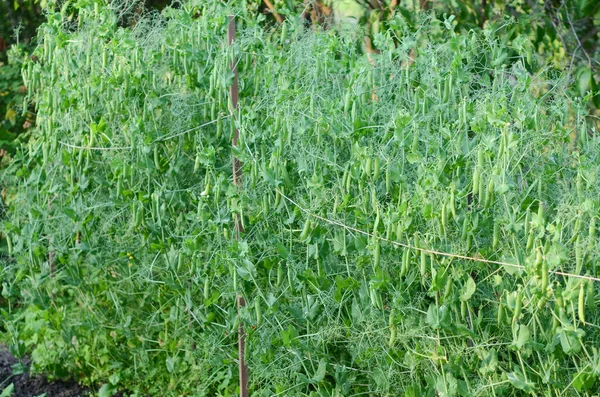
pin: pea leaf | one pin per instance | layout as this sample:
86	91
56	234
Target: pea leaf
469	290
321	370
8	390
523	336
519	381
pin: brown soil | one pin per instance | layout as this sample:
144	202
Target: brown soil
33	386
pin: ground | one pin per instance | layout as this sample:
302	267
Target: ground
32	386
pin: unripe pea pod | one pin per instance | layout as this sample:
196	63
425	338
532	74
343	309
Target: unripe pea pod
489	194
518	305
388	180
119	186
501	314
453	205
405	262
180	262
279	275
258	311
277	199
544	276
9	244
578	257
376	168
496	235
377	253
542	302
305	230
476	177
368	163
156	158
481	190
581	304
393	332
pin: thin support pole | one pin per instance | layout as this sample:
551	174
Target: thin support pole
239	228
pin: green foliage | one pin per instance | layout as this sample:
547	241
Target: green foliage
13	119
123	266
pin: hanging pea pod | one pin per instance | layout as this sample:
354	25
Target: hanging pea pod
581	303
393	332
258	311
156	157
279	275
579	185
518	306
305	230
277	199
405	262
388	180
9	244
453	205
578	256
444	218
489	194
496	235
376	168
592	233
119	186
377	253
367	166
544	270
501	314
476	177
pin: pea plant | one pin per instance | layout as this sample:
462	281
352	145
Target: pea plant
413	225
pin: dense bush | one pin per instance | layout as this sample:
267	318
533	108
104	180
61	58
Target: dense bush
123	268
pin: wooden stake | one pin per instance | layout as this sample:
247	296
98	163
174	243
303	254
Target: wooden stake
239	228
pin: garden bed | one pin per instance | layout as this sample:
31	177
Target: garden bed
27	385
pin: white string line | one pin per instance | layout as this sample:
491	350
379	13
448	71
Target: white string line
426	250
161	139
94	148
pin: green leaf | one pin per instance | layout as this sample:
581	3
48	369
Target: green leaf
446	387
320	374
584	381
518	381
107	390
8	390
469	290
523	336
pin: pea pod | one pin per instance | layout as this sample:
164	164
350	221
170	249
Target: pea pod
388	180
156	158
305	229
496	235
9	244
453	204
501	315
279	275
258	311
377	253
206	288
393	332
405	262
581	303
476	177
518	306
376	168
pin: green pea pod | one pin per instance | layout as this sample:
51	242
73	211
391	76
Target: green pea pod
581	304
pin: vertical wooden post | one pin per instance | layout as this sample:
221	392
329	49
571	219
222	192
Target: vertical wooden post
239	228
